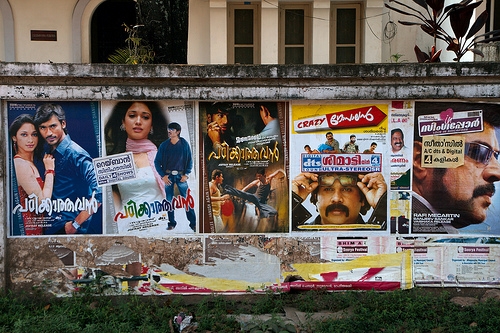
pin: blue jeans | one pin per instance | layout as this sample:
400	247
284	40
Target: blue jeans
169	191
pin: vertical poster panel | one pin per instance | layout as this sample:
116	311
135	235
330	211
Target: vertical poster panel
401	127
428	260
53	185
245	185
456	169
400	212
159	138
339	167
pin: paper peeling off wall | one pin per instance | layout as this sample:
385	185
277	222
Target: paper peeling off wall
229	264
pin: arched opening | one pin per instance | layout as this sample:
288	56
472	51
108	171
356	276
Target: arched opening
107	31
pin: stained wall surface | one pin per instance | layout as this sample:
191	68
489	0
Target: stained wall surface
270	246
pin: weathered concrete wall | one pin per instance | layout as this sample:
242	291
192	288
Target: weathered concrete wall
272	82
491	52
30	262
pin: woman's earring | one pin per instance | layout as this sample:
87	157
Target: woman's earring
151	131
15	146
122	127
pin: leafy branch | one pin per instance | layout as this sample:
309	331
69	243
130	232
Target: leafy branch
135	52
431	16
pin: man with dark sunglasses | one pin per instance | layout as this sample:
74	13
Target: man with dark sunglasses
341	200
453	198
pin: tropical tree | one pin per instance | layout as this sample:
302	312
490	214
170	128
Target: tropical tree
431	15
165	28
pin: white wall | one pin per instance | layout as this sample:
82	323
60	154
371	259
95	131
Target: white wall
2	36
269	32
199	32
321	32
373	34
43	15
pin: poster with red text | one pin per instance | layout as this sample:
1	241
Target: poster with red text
339	167
148	171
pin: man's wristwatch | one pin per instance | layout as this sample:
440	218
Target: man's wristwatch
75	225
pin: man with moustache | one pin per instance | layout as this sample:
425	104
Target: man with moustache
400	161
331	145
397	141
467	190
342	198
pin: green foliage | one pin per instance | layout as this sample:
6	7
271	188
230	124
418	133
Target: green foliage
397	57
431	15
271	302
136	51
165	28
273	325
414	310
212	312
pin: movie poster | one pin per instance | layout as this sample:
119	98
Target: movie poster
53	185
456	169
339	167
148	170
245	183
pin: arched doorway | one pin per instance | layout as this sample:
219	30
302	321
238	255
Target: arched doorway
107	31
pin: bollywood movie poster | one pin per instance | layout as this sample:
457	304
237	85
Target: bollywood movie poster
245	182
148	170
339	167
53	186
456	169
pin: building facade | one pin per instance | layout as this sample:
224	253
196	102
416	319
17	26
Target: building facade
220	31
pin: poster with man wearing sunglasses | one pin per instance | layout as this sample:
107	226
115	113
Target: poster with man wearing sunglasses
455	168
342	200
344	192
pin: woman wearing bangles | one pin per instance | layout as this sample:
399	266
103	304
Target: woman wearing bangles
27	147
